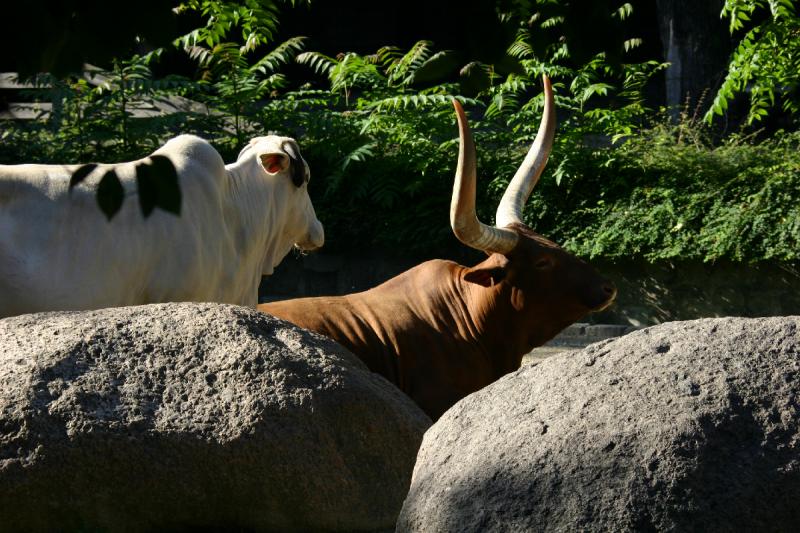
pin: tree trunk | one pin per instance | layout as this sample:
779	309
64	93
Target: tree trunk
698	45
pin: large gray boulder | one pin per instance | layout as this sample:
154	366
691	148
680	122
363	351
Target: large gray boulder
182	416
686	426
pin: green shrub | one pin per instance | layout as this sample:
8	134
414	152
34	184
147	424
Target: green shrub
383	144
381	140
382	180
764	64
663	196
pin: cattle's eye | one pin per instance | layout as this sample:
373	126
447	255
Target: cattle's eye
543	263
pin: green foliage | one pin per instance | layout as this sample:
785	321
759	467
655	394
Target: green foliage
381	178
91	116
379	134
234	82
385	144
128	79
257	21
667	193
235	86
614	188
766	62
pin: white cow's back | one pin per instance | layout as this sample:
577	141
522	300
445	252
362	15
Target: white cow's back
58	251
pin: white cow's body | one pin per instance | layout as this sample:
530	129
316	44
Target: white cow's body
58	251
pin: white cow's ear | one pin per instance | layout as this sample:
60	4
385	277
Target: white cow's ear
273	162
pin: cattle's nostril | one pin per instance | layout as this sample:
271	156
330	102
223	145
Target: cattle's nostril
610	289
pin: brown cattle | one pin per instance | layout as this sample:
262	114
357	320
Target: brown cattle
441	331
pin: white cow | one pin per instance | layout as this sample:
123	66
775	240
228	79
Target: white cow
237	222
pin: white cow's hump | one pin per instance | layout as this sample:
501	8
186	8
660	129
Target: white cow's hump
192	148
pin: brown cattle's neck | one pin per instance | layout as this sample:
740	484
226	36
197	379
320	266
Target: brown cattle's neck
495	325
471	317
461	317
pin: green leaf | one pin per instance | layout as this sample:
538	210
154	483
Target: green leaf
320	63
624	11
630	44
438	66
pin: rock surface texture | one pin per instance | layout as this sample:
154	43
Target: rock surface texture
686	426
186	416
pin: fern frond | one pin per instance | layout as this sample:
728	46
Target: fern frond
320	63
226	58
501	103
438	66
403	69
624	11
200	54
388	54
470	68
414	101
521	48
353	70
281	55
552	22
630	44
188	40
442	88
593	89
360	154
275	81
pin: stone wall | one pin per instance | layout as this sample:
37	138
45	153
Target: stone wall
648	293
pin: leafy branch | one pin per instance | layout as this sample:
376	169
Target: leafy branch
766	63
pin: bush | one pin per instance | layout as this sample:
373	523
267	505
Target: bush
664	192
381	141
667	194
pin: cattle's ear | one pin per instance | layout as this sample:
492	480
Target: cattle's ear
273	162
488	273
298	167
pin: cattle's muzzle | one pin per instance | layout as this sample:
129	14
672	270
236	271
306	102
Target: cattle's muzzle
314	239
604	296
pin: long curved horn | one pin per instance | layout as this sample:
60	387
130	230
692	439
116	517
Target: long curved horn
519	189
463	219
